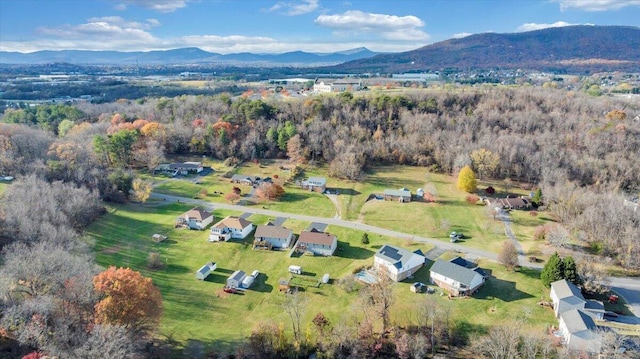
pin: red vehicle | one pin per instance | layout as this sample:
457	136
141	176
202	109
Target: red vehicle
230	290
613	299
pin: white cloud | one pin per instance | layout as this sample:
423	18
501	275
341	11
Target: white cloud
108	28
390	27
296	8
460	35
596	5
531	26
157	5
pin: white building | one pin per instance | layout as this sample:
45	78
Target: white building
399	263
230	227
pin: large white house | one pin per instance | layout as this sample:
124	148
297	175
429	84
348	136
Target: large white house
195	218
277	236
399	263
456	279
230	227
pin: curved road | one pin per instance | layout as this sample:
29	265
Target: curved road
342	223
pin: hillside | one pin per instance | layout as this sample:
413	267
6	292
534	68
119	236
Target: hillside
577	49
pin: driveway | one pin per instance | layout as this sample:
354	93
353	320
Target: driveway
629	289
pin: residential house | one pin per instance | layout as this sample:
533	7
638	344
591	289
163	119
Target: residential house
250	180
399	263
185	168
230	227
401	195
316	184
278	237
318	243
566	296
510	203
338	85
456	279
205	270
195	218
579	331
235	280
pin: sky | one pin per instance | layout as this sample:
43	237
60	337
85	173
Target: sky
274	26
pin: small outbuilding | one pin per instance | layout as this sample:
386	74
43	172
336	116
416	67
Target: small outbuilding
325	278
283	284
158	238
205	270
235	280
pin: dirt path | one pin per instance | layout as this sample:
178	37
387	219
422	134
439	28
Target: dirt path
334	198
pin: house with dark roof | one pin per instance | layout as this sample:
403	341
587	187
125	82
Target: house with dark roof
455	279
579	331
230	227
185	168
399	263
318	243
195	218
401	195
250	180
316	184
277	237
510	203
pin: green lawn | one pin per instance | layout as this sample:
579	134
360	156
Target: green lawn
3	186
195	311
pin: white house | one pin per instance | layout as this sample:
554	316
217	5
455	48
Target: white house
195	218
235	280
401	195
318	243
317	184
186	167
277	236
230	227
579	331
399	263
454	278
205	270
565	296
321	87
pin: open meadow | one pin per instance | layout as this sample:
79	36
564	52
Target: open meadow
201	311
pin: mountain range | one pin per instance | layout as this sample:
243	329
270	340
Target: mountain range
190	55
575	49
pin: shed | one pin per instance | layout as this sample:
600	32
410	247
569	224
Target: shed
235	280
205	270
283	284
158	238
325	278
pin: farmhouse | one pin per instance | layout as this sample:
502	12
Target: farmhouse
566	296
250	180
230	227
318	243
316	184
399	263
510	203
401	195
235	280
579	331
455	279
205	270
195	218
276	236
185	168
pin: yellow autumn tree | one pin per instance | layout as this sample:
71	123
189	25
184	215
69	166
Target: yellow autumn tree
467	180
141	190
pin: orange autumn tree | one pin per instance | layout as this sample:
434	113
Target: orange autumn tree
129	299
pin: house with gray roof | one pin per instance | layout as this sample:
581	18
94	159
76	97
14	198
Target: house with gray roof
316	184
195	218
318	243
566	296
399	263
579	331
454	278
277	237
401	195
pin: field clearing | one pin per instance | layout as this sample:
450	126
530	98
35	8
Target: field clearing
3	187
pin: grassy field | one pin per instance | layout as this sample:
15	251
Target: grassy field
199	310
3	186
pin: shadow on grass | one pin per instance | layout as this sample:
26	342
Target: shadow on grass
500	289
346	251
224	270
344	191
261	285
216	278
177	269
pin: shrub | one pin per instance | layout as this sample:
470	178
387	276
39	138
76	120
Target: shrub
490	190
348	283
540	233
472	199
155	261
533	213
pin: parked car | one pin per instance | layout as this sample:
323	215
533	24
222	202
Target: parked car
455	236
230	290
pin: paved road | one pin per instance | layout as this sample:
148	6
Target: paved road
629	289
332	221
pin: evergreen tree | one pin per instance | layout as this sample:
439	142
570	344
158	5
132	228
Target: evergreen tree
537	198
553	270
570	270
467	180
365	238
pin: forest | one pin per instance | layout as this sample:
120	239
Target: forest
582	151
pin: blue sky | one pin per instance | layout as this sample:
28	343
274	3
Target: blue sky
273	26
